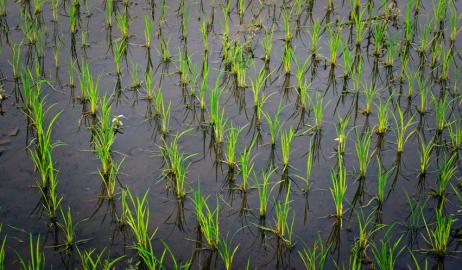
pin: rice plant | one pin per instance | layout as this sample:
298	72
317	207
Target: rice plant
220	127
108	11
233	137
382	181
455	135
267	44
318	108
286	16
438	236
246	165
362	151
441	106
379	38
183	67
360	26
259	98
274	125
425	156
335	43
446	172
392	50
282	210
286	142
369	93
347	61
214	100
163	50
72	19
342	135
338	188
367	229
137	217
309	166
148	27
68	228
315	35
120	49
226	252
383	116
287	59
89	261
314	258
387	252
205	34
122	23
207	219
402	126
16	59
37	257
263	191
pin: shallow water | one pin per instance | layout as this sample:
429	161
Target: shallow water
80	184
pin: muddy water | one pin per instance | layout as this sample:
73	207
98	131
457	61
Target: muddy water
80	184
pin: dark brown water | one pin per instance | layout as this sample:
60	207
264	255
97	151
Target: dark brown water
80	184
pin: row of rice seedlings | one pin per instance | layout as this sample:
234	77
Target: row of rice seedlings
89	261
314	258
362	151
246	165
286	142
175	164
207	219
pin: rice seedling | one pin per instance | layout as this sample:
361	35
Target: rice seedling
446	172
148	27
342	136
72	19
453	25
226	252
214	100
259	98
416	262
2	8
68	228
438	237
287	58
441	105
274	125
360	26
369	93
135	76
110	179
367	229
445	65
233	137
402	135
335	43
163	50
387	252
383	115
38	6
347	61
175	164
392	50
207	220
37	257
183	67
455	135
282	211
314	258
286	142
338	188
108	11
382	181
120	49
267	44
315	35
246	165
220	127
424	42
379	38
204	88
123	24
309	166
286	16
149	85
425	156
300	70
318	108
408	30
263	190
362	151
2	251
89	262
137	218
205	35
15	59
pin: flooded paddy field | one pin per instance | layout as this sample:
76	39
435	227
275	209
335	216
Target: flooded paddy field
221	134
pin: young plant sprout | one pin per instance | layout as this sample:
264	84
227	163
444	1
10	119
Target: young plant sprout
338	187
273	124
148	27
314	258
401	125
446	172
233	137
342	135
286	142
37	257
163	50
263	191
425	156
382	180
383	116
362	151
441	105
438	237
246	165
207	219
227	252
